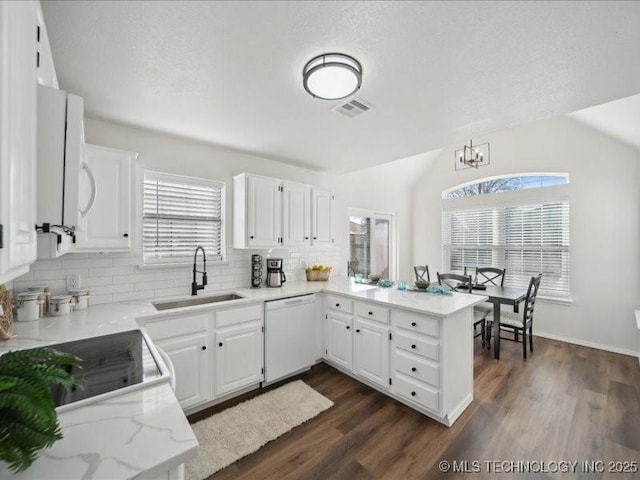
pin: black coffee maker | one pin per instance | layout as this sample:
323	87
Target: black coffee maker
275	274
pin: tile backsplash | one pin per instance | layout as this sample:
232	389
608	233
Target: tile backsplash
117	277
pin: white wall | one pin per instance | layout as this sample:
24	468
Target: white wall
116	277
605	223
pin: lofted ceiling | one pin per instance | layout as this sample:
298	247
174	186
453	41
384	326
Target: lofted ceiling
438	73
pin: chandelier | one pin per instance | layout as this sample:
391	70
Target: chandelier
472	156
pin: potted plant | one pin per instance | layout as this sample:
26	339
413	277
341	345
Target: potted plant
28	419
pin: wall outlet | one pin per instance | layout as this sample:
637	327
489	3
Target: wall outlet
73	282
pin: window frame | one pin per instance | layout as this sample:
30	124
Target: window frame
393	241
518	198
149	261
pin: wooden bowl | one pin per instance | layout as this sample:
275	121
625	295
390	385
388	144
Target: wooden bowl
422	284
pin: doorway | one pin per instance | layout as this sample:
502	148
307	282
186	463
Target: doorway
372	243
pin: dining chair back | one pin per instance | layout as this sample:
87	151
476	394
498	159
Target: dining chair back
520	324
453	280
490	276
421	271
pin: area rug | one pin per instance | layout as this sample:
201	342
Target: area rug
238	431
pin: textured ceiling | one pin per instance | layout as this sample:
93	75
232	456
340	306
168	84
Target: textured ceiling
438	73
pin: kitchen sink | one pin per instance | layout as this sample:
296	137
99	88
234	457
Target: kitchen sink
189	302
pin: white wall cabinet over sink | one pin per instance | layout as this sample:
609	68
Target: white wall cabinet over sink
18	97
105	200
270	212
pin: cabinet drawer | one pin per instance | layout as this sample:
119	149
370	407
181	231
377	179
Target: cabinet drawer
416	323
416	392
416	367
224	318
339	303
372	312
161	329
423	346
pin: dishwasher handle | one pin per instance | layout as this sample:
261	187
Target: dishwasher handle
290	302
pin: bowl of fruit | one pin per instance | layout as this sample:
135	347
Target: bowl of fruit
318	273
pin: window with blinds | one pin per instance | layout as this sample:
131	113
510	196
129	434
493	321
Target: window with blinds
179	214
526	236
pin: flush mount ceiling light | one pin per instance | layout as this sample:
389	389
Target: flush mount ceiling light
472	156
332	76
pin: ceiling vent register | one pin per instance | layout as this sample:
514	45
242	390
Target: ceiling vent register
354	107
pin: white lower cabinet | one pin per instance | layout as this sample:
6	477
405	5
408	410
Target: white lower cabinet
239	357
186	341
339	340
187	353
371	351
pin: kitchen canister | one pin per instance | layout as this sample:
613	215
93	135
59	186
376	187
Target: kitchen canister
81	297
60	305
27	307
45	292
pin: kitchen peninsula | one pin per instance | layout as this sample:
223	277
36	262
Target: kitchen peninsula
411	346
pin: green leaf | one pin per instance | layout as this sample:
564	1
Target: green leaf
28	420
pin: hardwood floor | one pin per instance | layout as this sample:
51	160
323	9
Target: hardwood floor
564	403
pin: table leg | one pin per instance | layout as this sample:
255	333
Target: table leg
496	330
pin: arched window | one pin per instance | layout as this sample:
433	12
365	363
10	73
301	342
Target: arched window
506	184
518	222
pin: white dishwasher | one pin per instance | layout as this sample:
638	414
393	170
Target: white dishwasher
289	336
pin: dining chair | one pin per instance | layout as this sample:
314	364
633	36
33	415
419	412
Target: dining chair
421	271
489	276
453	280
519	323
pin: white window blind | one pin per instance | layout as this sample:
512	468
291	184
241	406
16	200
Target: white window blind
526	239
179	214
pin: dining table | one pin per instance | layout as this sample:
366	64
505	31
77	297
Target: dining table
499	295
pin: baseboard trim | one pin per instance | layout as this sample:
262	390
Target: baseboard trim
585	343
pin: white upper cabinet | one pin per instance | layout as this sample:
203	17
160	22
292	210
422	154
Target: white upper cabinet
105	200
257	212
296	214
18	39
322	226
269	212
44	59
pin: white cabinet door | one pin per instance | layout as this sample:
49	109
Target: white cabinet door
239	357
105	200
296	214
339	340
263	214
322	217
189	356
18	98
371	349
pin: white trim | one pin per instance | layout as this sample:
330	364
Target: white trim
585	343
518	197
154	266
393	239
557	300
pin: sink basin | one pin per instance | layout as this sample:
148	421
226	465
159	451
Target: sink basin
189	302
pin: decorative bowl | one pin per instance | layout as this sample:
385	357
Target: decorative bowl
385	283
374	278
422	284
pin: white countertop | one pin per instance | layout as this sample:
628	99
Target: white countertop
118	438
146	430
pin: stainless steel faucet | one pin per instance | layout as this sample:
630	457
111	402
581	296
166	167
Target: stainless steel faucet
194	285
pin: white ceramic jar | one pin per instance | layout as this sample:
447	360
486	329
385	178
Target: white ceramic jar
81	297
27	307
60	305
